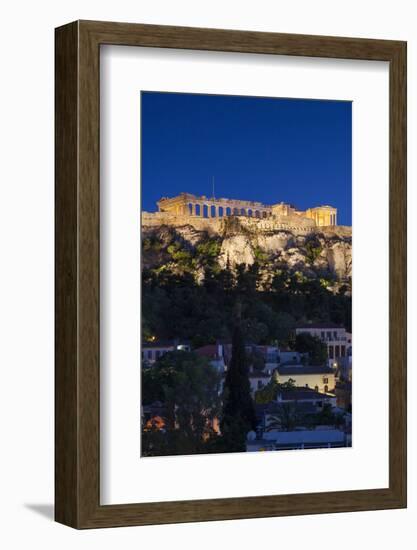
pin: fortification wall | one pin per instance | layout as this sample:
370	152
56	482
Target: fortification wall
154	219
294	223
274	223
286	223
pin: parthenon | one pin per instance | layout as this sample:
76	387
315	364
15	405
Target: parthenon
187	204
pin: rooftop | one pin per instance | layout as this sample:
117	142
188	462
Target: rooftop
259	375
320	325
301	394
165	343
275	408
305	436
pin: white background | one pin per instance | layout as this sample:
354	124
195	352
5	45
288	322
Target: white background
126	478
26	217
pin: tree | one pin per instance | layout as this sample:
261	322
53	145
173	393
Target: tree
326	417
317	350
188	387
313	250
238	410
256	360
286	419
269	392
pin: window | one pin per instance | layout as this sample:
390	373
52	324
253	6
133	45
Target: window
316	388
326	389
335	335
149	354
337	351
329	335
343	351
325	380
331	352
322	334
260	384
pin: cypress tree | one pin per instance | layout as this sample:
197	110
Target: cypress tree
238	409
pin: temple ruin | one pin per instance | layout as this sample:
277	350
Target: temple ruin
188	205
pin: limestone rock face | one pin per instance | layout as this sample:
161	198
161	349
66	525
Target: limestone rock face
236	250
339	258
190	234
294	258
326	251
275	242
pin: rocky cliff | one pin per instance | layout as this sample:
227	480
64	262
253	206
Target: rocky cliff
325	252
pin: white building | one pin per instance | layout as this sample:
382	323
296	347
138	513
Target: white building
321	379
303	439
338	341
306	395
151	351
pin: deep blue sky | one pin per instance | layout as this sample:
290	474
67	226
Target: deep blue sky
263	149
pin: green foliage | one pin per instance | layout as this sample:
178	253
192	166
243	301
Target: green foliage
260	256
267	394
149	244
178	304
313	250
187	295
289	418
316	349
238	416
270	392
188	386
183	256
325	417
325	283
209	249
286	420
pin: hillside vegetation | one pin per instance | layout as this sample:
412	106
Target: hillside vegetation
192	281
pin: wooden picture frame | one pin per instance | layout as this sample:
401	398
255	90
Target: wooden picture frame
77	405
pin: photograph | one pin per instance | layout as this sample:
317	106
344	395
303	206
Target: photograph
204	207
246	260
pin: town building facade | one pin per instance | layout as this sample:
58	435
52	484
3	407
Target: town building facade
321	379
337	340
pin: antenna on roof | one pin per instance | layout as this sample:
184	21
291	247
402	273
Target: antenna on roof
213	187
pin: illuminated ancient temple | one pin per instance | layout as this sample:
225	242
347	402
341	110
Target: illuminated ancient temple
187	204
